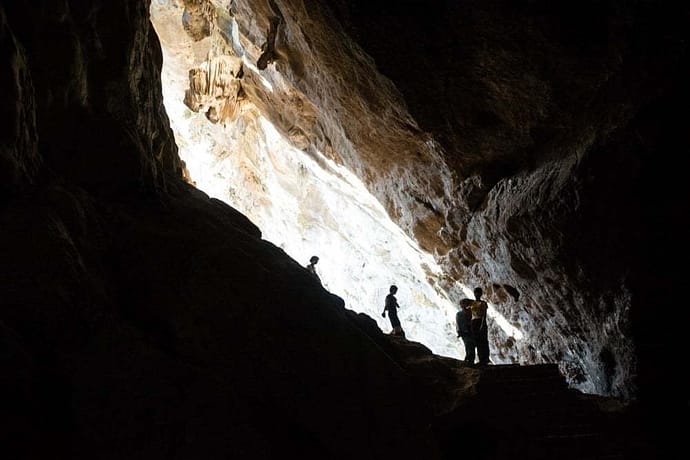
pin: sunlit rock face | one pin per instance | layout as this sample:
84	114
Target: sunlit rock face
506	185
553	115
277	148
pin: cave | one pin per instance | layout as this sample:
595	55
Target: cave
168	168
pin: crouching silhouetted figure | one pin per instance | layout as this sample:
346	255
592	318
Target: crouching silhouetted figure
312	267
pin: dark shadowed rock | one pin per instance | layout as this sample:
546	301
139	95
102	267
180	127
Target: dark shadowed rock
141	319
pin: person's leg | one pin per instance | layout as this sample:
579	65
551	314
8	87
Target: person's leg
468	341
394	322
483	346
479	335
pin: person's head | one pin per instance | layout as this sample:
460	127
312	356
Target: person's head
465	303
314	259
478	293
393	289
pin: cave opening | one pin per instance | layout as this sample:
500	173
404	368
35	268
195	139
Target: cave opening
222	110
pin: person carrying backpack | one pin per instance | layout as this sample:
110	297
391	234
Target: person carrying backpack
479	326
463	326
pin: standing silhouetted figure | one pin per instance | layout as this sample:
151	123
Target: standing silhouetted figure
463	326
479	326
312	267
392	308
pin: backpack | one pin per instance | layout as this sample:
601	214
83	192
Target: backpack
463	321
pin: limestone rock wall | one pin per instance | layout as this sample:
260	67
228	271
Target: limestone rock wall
510	164
554	118
519	163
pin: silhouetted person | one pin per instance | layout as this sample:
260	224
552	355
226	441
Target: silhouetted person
463	326
312	267
392	308
479	326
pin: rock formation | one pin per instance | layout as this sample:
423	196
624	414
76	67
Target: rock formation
531	148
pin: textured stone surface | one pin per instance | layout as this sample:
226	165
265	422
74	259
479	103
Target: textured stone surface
263	159
141	319
535	187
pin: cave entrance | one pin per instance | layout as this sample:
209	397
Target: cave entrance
219	104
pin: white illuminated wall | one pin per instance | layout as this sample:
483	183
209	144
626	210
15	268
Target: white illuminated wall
304	206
